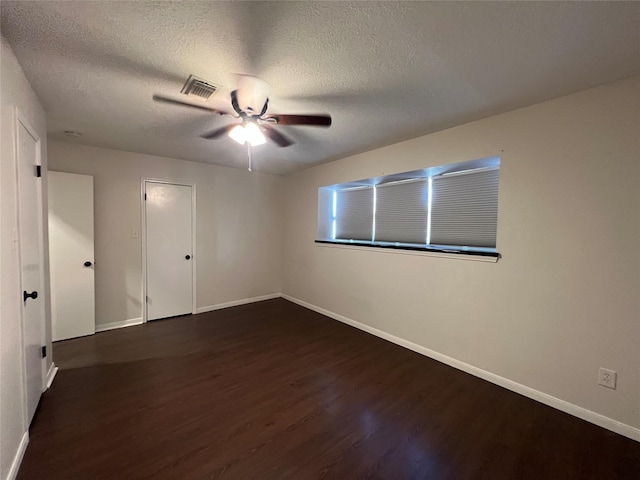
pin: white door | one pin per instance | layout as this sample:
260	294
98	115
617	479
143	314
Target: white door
30	228
169	261
71	255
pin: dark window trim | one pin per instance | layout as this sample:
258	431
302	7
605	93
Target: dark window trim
415	249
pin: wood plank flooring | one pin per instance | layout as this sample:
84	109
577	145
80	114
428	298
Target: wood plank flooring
274	391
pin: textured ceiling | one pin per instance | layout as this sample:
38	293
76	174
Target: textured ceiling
386	71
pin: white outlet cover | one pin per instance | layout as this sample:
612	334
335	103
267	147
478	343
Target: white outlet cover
607	378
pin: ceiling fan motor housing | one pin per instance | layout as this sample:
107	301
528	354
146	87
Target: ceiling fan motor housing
252	94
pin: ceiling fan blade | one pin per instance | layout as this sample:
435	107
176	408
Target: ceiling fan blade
161	99
218	132
321	120
276	136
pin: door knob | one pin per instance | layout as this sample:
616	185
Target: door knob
87	264
188	257
26	295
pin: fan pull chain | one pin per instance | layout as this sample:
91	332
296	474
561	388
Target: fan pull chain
249	153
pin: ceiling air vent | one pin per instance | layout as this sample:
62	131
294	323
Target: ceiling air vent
197	87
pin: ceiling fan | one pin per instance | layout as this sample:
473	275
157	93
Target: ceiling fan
250	102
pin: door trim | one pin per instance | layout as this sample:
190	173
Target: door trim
21	120
143	240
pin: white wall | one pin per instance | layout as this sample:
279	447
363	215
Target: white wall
239	226
565	297
15	92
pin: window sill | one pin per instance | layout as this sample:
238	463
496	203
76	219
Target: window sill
491	257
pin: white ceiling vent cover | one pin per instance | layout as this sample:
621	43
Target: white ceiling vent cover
197	87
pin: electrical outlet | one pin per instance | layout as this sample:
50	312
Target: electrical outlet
607	378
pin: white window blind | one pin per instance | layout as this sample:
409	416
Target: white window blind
354	214
464	209
401	212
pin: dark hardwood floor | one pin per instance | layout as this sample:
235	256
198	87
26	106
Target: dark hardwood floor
272	391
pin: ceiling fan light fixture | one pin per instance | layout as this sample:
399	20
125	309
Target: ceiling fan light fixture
238	134
248	133
253	134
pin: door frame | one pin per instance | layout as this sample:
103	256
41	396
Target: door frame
21	120
143	240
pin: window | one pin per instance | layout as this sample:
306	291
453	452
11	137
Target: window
464	208
354	213
402	211
452	208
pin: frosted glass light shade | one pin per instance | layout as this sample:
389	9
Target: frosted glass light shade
249	132
253	134
238	134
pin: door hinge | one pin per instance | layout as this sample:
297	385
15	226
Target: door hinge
146	299
145	197
38	170
43	351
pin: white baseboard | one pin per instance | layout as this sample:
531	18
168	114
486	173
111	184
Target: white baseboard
235	303
113	325
570	408
138	321
17	459
51	374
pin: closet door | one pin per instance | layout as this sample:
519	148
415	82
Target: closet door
169	256
71	255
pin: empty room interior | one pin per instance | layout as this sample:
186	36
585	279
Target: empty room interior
268	240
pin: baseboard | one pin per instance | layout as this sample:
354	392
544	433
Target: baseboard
138	321
570	408
17	460
235	303
51	374
113	325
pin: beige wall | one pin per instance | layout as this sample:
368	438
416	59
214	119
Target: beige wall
565	297
238	220
15	92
